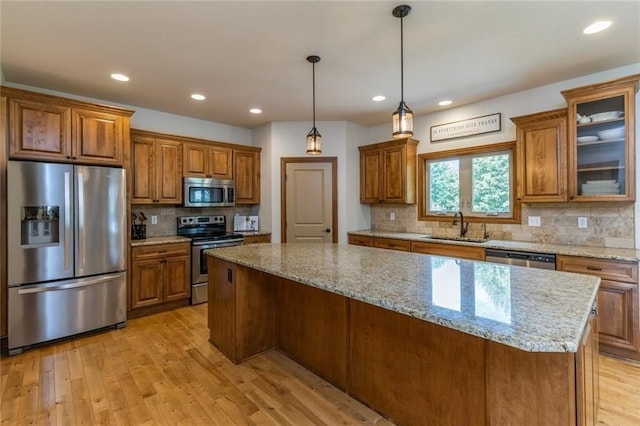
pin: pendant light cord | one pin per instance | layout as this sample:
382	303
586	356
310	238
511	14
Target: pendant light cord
401	61
314	94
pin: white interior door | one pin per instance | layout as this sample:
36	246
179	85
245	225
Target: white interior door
309	202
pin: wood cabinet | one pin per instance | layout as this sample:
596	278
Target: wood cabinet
541	141
208	161
587	373
618	305
361	240
448	250
242	310
601	144
157	169
246	173
257	239
388	172
392	243
159	274
49	128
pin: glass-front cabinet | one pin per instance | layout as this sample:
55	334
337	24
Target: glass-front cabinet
601	128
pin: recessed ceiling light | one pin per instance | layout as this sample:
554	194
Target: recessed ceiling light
198	97
445	102
255	111
119	77
378	98
596	27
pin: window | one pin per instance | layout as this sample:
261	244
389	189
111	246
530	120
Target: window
479	182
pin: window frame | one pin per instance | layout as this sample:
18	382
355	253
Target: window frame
423	213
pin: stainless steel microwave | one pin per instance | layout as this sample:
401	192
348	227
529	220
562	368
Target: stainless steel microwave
205	192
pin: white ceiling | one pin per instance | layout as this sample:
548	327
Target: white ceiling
244	54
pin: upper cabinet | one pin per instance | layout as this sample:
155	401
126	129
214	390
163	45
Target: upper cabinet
246	168
601	142
388	172
542	156
157	169
208	161
49	128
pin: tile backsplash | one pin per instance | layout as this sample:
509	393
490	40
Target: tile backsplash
608	224
167	214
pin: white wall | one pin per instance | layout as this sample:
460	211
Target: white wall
262	138
288	139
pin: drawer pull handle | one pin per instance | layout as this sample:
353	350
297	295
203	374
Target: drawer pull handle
594	268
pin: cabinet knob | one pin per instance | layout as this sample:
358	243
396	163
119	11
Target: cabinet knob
571	197
594	311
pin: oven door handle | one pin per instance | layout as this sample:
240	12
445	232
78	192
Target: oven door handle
208	245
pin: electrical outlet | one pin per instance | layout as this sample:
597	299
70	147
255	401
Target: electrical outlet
534	220
582	222
154	220
392	216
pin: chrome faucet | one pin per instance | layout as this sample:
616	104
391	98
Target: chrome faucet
464	227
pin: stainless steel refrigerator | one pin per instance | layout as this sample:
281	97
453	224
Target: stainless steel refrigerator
66	250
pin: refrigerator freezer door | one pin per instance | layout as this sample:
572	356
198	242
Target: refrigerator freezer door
101	233
40	222
42	312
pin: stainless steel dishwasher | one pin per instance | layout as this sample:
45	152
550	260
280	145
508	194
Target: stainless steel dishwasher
521	258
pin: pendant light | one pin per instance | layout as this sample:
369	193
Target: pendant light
314	138
403	116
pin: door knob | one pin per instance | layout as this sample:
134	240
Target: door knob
327	230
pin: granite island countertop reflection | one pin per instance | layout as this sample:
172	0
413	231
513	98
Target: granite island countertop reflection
529	309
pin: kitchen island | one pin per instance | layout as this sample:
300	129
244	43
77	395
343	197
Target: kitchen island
422	339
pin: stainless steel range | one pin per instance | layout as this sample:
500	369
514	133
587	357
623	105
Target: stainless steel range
206	232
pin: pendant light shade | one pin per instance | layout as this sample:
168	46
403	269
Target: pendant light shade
314	139
403	116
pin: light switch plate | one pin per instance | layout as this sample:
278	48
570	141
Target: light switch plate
534	220
582	222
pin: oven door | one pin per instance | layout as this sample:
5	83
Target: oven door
199	290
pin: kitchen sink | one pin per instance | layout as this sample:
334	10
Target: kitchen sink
467	239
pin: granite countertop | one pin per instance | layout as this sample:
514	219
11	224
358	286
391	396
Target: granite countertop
631	255
530	309
159	240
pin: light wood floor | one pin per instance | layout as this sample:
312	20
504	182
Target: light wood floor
161	369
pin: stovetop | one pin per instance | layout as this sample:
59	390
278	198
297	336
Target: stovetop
205	228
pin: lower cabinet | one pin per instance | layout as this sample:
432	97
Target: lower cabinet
449	250
257	239
160	274
618	306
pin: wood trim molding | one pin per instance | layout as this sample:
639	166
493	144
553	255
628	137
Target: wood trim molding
283	191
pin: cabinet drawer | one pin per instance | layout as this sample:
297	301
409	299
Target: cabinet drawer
390	243
613	270
160	250
450	250
361	240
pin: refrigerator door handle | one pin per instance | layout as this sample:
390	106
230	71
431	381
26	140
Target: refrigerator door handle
42	289
80	257
67	220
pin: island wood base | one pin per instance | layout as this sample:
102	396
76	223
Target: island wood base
412	371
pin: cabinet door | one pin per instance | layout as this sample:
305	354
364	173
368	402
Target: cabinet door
39	131
542	171
221	164
196	160
247	176
370	177
97	138
601	141
394	164
587	371
617	320
177	284
168	172
146	283
143	171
